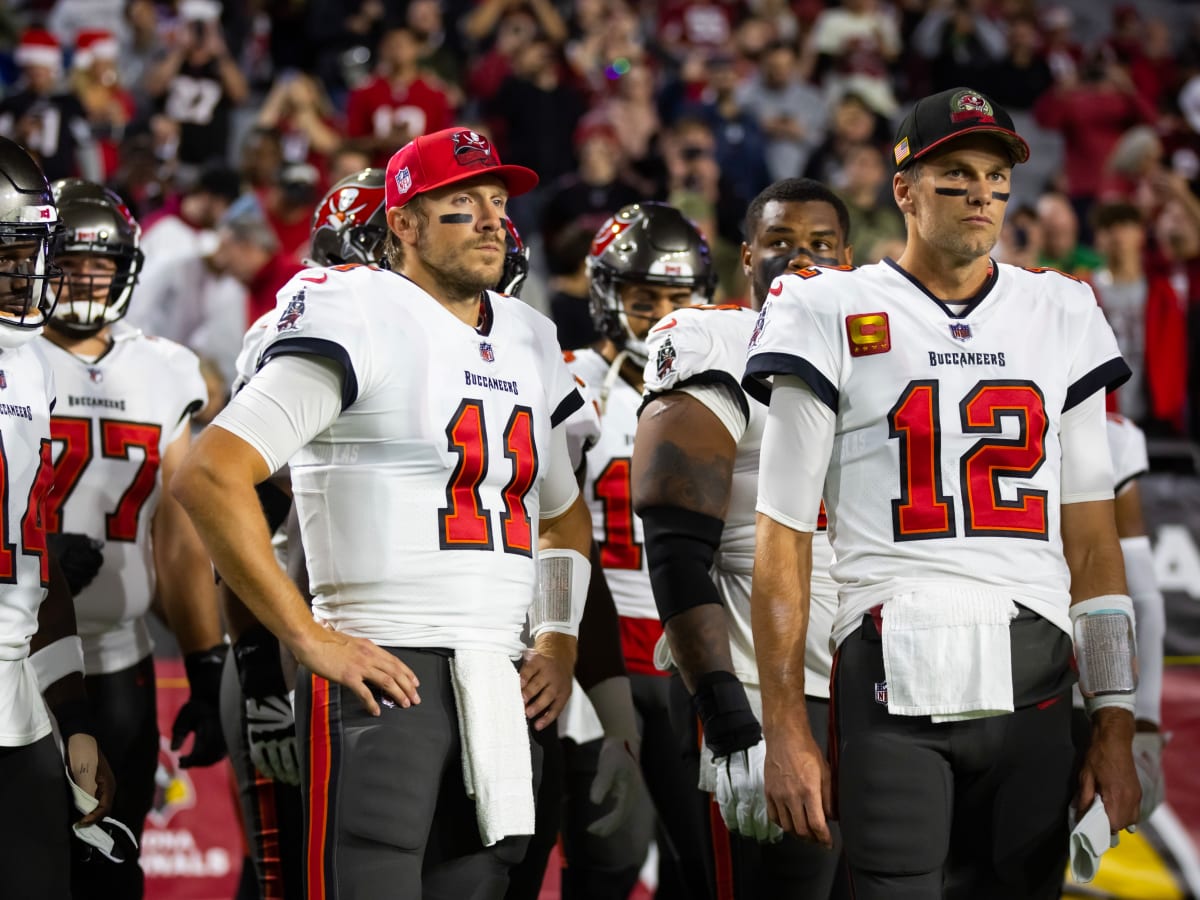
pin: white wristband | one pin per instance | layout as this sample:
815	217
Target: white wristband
57	660
562	587
1105	651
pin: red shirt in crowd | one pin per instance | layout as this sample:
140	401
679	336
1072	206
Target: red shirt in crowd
377	108
1091	119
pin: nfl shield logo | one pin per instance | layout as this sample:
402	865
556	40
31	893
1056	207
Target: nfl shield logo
403	181
960	331
881	692
3	379
95	374
486	353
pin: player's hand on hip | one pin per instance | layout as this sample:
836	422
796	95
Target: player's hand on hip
546	674
741	795
90	770
797	787
356	663
1109	770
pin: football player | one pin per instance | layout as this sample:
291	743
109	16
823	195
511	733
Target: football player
950	411
348	227
420	414
122	425
694	478
646	262
40	649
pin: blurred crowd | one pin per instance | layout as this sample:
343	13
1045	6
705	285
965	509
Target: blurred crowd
221	125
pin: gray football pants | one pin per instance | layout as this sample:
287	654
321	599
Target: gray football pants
386	813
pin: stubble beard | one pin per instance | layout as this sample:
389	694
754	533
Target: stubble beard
454	278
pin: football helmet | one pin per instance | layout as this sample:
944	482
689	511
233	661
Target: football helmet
96	223
350	223
516	261
645	243
29	234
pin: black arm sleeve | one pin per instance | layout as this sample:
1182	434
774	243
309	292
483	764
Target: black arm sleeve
599	654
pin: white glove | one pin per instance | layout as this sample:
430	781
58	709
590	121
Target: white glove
1147	756
271	735
741	794
618	776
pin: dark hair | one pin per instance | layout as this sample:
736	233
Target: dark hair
1106	215
567	250
796	190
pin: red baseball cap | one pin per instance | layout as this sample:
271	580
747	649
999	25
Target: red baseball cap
435	160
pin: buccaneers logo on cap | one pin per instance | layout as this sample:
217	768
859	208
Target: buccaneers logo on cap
966	105
471	148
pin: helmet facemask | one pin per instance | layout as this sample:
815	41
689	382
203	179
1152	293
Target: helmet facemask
29	280
516	262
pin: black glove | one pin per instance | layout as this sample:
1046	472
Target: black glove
200	716
79	557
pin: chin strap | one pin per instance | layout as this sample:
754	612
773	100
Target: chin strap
610	378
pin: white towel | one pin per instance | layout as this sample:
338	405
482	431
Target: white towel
497	769
1089	839
946	653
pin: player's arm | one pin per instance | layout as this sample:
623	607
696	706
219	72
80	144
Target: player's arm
1093	555
1150	614
191	608
681	490
57	657
796	447
290	401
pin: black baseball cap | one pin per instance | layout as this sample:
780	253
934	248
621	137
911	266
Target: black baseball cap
943	117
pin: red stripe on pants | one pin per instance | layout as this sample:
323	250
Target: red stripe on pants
319	757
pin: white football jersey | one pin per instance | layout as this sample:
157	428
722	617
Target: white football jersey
114	420
419	505
608	490
707	346
1127	446
26	398
946	460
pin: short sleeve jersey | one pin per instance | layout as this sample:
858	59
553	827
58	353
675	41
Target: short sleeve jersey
419	506
1127	446
114	420
26	399
706	345
946	459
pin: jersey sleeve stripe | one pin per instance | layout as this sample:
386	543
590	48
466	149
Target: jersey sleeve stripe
319	347
1109	375
569	404
1129	479
712	376
763	365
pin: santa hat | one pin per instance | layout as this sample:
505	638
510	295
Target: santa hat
39	47
93	44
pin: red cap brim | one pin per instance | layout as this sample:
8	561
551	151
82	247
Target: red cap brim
1016	143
